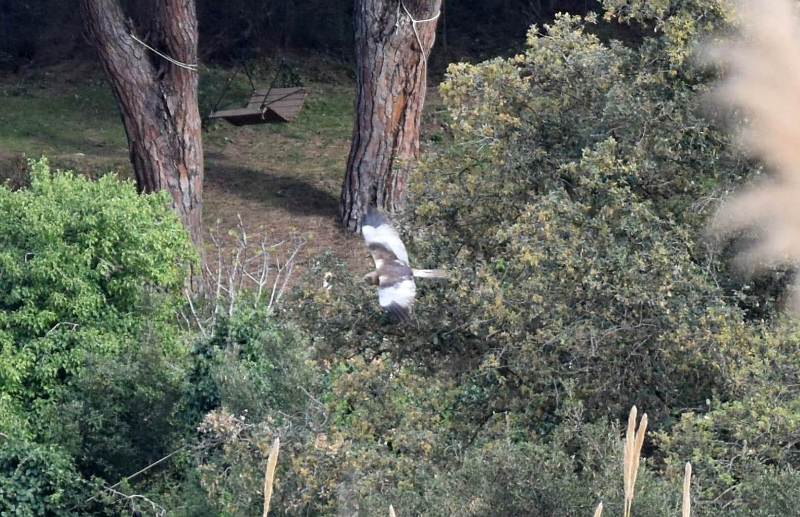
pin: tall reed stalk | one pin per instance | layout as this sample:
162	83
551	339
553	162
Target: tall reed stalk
269	475
634	438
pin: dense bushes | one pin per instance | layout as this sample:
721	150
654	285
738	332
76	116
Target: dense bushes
91	274
568	195
746	447
88	269
585	266
38	479
97	378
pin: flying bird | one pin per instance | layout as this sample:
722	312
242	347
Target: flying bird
393	274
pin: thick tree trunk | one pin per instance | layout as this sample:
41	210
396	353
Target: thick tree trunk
158	100
391	72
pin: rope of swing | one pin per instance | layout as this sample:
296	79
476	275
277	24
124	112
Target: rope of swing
187	66
414	23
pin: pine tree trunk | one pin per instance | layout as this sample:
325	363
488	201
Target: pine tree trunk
391	79
157	100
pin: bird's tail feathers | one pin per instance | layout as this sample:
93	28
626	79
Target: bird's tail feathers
431	273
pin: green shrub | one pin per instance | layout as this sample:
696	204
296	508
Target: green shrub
253	380
92	363
84	264
38	480
123	412
569	202
264	365
568	473
741	447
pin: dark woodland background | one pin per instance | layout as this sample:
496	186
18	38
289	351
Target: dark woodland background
42	32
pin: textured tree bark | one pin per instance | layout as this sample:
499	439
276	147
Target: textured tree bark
157	100
391	74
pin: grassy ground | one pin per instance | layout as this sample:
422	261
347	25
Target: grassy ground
281	179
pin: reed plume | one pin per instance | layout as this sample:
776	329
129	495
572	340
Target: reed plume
763	82
686	508
269	475
634	438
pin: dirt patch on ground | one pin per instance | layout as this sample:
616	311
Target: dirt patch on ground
299	201
282	207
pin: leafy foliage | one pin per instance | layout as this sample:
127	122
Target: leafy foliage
91	275
569	201
77	257
742	446
262	381
568	198
37	479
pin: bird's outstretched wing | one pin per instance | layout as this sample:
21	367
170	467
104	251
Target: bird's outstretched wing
396	287
377	230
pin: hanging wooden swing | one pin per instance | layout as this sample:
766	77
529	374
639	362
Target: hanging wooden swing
271	105
265	106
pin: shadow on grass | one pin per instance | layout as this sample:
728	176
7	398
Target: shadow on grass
271	189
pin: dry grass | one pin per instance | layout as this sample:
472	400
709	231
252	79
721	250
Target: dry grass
269	476
686	507
633	448
763	81
634	439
